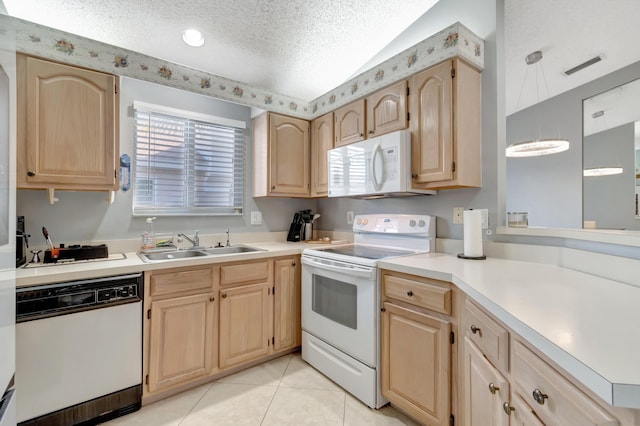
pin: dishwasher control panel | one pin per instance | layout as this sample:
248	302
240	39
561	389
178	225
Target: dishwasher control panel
118	293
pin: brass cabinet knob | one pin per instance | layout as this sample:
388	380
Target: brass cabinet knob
293	263
211	299
224	295
362	135
370	132
414	176
539	397
30	173
273	187
493	388
410	293
507	408
474	329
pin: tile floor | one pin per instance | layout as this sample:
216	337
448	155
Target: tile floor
282	392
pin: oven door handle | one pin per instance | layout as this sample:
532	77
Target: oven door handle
354	270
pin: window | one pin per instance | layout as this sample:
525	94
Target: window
187	163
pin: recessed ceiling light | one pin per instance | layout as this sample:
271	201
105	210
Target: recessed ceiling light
193	37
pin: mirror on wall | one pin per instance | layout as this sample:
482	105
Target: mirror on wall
610	127
586	107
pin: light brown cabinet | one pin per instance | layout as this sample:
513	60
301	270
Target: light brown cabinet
417	346
350	123
68	131
485	389
416	361
204	322
181	339
281	156
181	327
507	383
387	110
286	310
321	143
245	329
445	108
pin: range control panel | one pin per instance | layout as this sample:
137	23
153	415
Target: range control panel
394	224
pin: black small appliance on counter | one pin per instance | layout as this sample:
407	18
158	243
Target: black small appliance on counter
22	242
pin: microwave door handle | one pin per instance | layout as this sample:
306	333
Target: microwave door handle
364	273
376	184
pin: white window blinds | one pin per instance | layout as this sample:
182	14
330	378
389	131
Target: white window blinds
187	163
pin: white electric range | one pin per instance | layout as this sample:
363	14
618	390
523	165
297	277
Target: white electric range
341	299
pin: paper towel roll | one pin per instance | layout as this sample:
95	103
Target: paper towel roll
472	233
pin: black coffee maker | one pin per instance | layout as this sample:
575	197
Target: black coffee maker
22	242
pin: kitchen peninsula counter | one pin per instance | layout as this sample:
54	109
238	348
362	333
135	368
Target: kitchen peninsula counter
586	324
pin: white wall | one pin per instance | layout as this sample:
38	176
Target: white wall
86	216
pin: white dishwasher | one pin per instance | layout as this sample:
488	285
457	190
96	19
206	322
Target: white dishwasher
79	350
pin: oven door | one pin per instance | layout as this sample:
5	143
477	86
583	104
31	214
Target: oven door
339	306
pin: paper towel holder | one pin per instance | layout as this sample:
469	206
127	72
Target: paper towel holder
462	256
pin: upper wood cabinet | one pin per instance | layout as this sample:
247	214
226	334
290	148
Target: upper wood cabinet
281	156
321	143
387	110
444	107
350	123
67	126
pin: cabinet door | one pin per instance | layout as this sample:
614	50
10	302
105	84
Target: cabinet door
522	414
431	111
321	143
350	123
416	363
387	110
286	315
181	340
288	155
485	389
71	134
245	323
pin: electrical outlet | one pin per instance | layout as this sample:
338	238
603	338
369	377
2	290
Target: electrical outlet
457	215
256	218
349	218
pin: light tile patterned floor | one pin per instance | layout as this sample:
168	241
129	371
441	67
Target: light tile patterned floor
285	391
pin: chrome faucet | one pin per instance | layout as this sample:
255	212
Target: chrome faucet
228	245
195	241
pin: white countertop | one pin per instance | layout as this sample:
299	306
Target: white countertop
132	263
589	326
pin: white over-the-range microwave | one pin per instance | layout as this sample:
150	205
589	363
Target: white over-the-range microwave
374	168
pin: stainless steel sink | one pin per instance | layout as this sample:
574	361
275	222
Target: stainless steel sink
230	250
184	254
200	252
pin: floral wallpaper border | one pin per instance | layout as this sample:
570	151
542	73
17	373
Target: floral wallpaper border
455	40
31	38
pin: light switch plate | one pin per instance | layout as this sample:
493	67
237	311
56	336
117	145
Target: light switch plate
256	218
349	218
457	215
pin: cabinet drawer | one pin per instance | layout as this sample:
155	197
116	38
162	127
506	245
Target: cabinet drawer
488	334
430	294
246	272
193	281
553	398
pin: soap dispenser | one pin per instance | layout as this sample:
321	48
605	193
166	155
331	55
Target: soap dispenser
149	237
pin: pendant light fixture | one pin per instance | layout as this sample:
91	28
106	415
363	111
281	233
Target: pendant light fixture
539	146
603	170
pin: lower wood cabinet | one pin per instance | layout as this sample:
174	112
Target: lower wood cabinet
181	340
485	389
245	326
202	322
416	361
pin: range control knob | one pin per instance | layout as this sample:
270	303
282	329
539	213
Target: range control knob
421	223
412	223
359	222
365	221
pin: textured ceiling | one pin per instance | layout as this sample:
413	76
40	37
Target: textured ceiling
568	32
299	48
